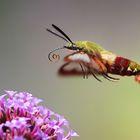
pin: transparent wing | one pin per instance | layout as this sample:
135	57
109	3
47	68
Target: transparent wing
82	64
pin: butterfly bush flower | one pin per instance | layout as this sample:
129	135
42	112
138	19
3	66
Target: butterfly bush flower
22	118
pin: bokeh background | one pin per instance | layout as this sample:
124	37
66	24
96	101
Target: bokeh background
96	111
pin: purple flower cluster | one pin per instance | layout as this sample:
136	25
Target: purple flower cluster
22	118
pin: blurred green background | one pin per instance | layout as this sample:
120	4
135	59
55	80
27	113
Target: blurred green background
96	111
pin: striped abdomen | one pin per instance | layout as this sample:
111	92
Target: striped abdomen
123	66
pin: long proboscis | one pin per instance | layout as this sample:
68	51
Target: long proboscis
49	55
64	37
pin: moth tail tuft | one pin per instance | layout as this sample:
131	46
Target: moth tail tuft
137	78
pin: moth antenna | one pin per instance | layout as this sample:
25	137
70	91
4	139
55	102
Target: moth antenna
54	56
57	35
60	31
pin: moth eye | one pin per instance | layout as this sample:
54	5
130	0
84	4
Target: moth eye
74	48
80	49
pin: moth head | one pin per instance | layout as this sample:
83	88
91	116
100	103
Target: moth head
73	46
70	44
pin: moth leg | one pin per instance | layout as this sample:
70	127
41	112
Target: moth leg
94	74
85	70
113	78
106	77
103	70
84	73
102	67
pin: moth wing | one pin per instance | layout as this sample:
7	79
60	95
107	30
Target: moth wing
79	63
69	69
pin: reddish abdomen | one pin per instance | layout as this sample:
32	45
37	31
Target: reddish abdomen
120	67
